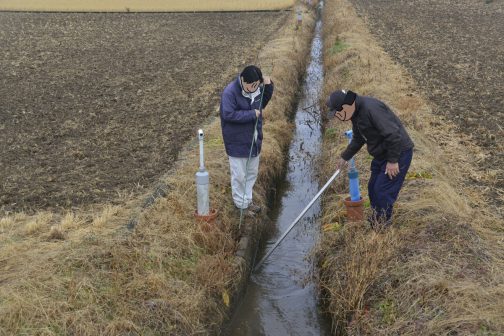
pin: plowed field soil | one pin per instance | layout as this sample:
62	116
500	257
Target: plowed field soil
455	51
95	105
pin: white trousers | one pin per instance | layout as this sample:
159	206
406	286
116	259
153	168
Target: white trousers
238	185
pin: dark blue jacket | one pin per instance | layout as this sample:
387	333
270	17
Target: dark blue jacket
374	124
238	119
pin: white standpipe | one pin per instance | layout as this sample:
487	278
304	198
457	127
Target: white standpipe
202	181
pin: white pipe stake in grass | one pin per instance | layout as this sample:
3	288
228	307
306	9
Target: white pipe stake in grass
202	181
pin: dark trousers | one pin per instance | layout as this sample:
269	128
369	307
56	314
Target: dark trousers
383	191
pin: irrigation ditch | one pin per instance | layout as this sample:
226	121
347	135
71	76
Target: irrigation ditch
281	296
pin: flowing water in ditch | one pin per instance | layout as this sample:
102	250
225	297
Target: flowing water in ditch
281	298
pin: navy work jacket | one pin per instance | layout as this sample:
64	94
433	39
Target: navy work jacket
374	124
238	117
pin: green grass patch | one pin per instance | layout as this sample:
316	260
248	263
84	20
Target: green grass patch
331	227
338	46
215	142
388	311
484	330
330	133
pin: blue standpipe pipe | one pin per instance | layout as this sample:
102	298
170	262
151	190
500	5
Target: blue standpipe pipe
353	175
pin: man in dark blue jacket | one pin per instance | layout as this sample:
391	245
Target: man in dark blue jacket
241	104
374	124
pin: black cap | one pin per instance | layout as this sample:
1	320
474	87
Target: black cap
339	98
251	74
335	101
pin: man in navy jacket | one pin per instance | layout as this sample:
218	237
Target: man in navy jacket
240	108
375	125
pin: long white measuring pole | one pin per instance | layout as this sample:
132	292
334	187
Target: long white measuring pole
258	265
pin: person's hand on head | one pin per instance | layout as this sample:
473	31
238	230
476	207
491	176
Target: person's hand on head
341	104
251	78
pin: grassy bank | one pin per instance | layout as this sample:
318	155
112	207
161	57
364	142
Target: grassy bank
439	270
88	275
143	6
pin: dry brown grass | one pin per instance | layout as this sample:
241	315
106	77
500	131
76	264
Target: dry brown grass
85	274
144	6
440	269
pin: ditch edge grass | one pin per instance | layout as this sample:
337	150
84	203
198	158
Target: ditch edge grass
439	270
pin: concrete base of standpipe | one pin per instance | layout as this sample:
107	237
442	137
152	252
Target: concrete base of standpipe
206	219
355	210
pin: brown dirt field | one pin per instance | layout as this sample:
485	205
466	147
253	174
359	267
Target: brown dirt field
95	106
454	49
85	273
